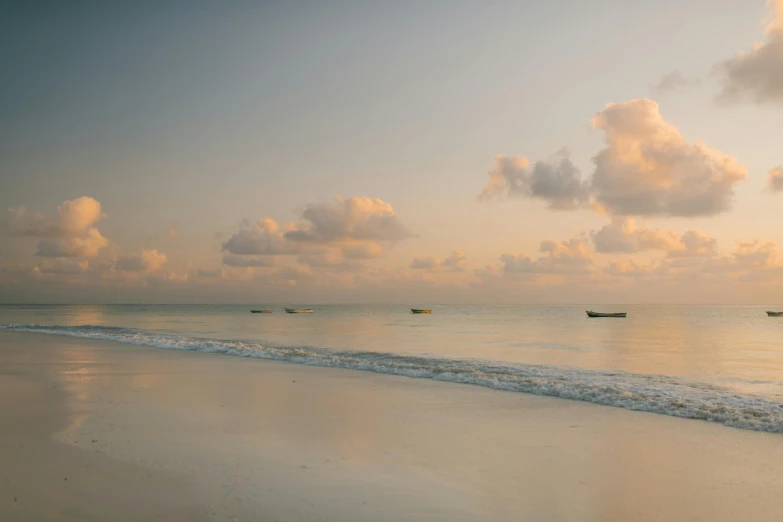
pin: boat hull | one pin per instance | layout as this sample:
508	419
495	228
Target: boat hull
419	311
260	311
298	311
775	314
590	313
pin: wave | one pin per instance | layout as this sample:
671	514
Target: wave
665	395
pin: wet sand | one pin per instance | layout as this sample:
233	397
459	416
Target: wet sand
149	434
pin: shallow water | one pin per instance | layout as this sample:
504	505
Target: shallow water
723	364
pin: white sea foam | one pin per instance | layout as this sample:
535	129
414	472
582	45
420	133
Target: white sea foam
653	393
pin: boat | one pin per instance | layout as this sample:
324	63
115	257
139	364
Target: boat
260	311
775	314
299	310
590	313
420	311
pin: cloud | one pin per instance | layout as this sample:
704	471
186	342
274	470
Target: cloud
670	82
695	244
629	268
572	256
556	181
455	262
755	253
355	218
74	218
172	231
775	179
365	250
70	234
330	262
425	263
648	169
63	267
208	273
557	257
146	261
87	245
757	75
342	229
623	236
264	239
752	258
248	260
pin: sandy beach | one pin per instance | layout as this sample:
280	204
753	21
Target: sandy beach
96	430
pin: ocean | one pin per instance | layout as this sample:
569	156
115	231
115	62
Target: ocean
720	364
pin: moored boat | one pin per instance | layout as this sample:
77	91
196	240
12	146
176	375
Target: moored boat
420	311
299	310
590	313
775	314
260	311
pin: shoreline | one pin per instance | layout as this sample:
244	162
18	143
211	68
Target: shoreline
253	439
661	394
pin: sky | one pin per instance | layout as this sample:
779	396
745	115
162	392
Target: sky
430	152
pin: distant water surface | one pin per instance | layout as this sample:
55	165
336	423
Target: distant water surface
718	363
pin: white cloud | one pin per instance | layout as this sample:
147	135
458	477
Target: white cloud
330	235
70	234
648	169
355	218
265	238
556	181
74	217
146	261
87	245
622	235
757	74
775	179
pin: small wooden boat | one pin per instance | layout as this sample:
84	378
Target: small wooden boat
775	314
420	311
590	313
260	311
299	310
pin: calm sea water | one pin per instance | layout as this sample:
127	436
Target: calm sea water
723	364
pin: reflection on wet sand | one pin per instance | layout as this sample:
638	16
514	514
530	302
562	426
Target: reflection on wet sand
260	430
